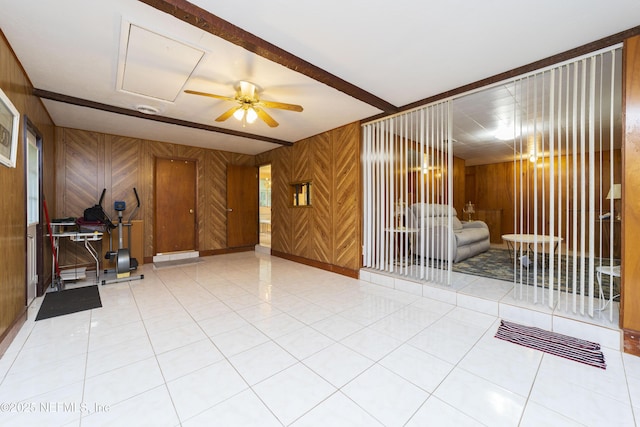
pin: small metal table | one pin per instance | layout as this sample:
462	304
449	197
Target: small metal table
75	236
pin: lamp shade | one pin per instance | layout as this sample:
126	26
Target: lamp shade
615	192
251	115
469	208
239	114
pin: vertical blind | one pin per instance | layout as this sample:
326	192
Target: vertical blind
566	160
406	163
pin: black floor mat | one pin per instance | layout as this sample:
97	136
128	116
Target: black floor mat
69	301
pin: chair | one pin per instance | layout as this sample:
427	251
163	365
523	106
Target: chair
611	271
433	238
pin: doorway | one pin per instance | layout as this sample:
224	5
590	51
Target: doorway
264	206
175	207
33	159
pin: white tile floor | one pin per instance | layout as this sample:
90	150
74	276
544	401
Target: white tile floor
249	340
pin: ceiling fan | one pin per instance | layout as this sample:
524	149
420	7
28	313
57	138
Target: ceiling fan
250	105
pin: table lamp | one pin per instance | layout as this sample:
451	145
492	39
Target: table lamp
469	209
615	193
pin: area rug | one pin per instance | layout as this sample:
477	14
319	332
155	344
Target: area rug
494	263
69	301
498	264
571	348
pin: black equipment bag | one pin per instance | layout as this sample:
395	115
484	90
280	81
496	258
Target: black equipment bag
97	213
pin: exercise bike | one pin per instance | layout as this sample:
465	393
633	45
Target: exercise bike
124	263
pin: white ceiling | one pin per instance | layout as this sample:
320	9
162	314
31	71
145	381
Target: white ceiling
401	51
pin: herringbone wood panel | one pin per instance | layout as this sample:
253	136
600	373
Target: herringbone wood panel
82	152
125	160
322	194
280	200
346	190
216	196
301	233
302	160
328	232
94	161
206	187
301	217
240	159
264	158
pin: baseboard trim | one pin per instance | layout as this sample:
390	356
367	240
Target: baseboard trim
306	261
318	264
227	250
175	256
7	338
631	342
149	259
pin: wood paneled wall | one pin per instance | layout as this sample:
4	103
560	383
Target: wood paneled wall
329	231
16	85
459	183
87	162
492	187
630	304
417	181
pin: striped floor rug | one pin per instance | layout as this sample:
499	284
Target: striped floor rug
571	348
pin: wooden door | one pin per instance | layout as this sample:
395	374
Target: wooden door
175	207
242	206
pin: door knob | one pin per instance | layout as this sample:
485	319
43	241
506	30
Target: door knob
229	210
190	211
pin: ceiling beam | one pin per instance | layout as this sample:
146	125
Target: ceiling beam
163	119
217	26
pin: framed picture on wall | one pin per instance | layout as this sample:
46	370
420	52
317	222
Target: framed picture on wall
9	117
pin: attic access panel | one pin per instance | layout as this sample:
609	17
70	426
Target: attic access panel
154	65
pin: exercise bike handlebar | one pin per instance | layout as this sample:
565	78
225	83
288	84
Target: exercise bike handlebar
137	198
137	205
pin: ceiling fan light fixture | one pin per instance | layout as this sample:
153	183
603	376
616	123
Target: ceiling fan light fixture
239	114
251	115
250	107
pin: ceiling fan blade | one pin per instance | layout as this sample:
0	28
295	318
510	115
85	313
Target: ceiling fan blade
266	117
280	105
224	116
210	95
